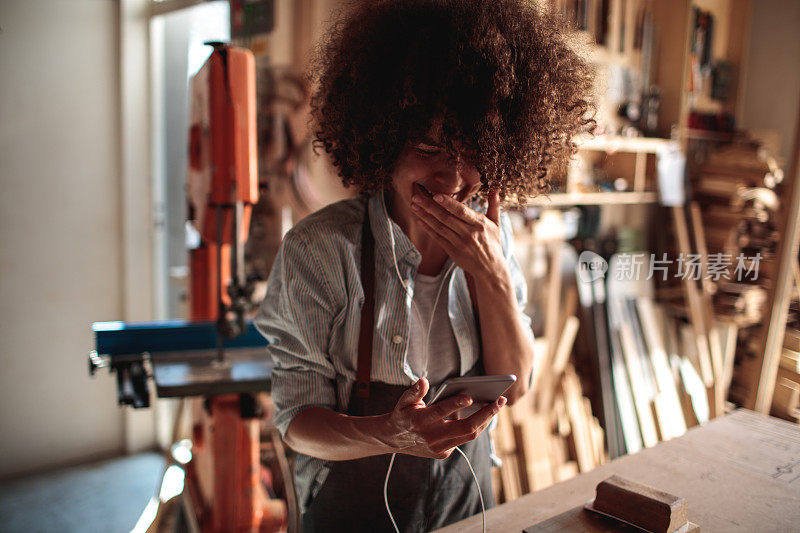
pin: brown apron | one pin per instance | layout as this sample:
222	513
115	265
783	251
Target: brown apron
424	494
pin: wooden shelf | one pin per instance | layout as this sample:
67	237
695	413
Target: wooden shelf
609	143
708	135
594	198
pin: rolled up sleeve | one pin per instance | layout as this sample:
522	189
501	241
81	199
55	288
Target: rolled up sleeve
295	318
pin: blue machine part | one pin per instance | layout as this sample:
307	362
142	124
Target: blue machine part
121	338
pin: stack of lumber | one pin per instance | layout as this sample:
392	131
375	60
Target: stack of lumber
736	213
539	446
786	398
624	376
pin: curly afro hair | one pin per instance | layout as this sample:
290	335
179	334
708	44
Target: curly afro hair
500	75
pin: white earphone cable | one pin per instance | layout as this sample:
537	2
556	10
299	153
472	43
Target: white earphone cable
425	348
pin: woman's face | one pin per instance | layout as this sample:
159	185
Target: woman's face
427	164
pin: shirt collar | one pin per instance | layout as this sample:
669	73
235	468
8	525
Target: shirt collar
380	223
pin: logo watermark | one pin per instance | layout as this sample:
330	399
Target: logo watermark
591	267
629	267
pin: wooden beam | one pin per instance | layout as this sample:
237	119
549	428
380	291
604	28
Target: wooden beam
559	362
759	397
551	316
697	316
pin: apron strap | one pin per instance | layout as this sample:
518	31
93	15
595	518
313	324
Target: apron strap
364	369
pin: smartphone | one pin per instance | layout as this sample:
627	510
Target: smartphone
482	389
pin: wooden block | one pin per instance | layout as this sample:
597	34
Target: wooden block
640	505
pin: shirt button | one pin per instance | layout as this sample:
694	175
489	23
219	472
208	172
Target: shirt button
397	339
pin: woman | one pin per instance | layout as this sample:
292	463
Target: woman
436	111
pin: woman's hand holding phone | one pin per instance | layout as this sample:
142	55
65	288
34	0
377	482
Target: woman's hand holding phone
415	428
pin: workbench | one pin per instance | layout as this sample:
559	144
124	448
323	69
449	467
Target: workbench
739	472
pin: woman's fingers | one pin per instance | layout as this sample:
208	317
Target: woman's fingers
484	416
463	431
493	209
456	432
443	409
450	212
447	237
414	394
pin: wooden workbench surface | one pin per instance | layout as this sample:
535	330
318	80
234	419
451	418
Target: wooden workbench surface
740	472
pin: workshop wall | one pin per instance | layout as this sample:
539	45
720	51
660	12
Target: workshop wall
60	228
773	70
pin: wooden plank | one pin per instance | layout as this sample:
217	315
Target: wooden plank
560	359
761	386
671	64
689	347
714	341
696	314
595	433
640	170
790	360
535	432
497	486
594	198
624	396
577	418
698	393
641	400
786	399
551	314
567	470
505	442
615	13
796	275
611	419
540	348
569	306
729	333
700	241
792	340
520	453
667	403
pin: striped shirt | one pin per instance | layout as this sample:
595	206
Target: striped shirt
311	314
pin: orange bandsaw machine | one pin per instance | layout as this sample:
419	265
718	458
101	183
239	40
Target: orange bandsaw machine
217	356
